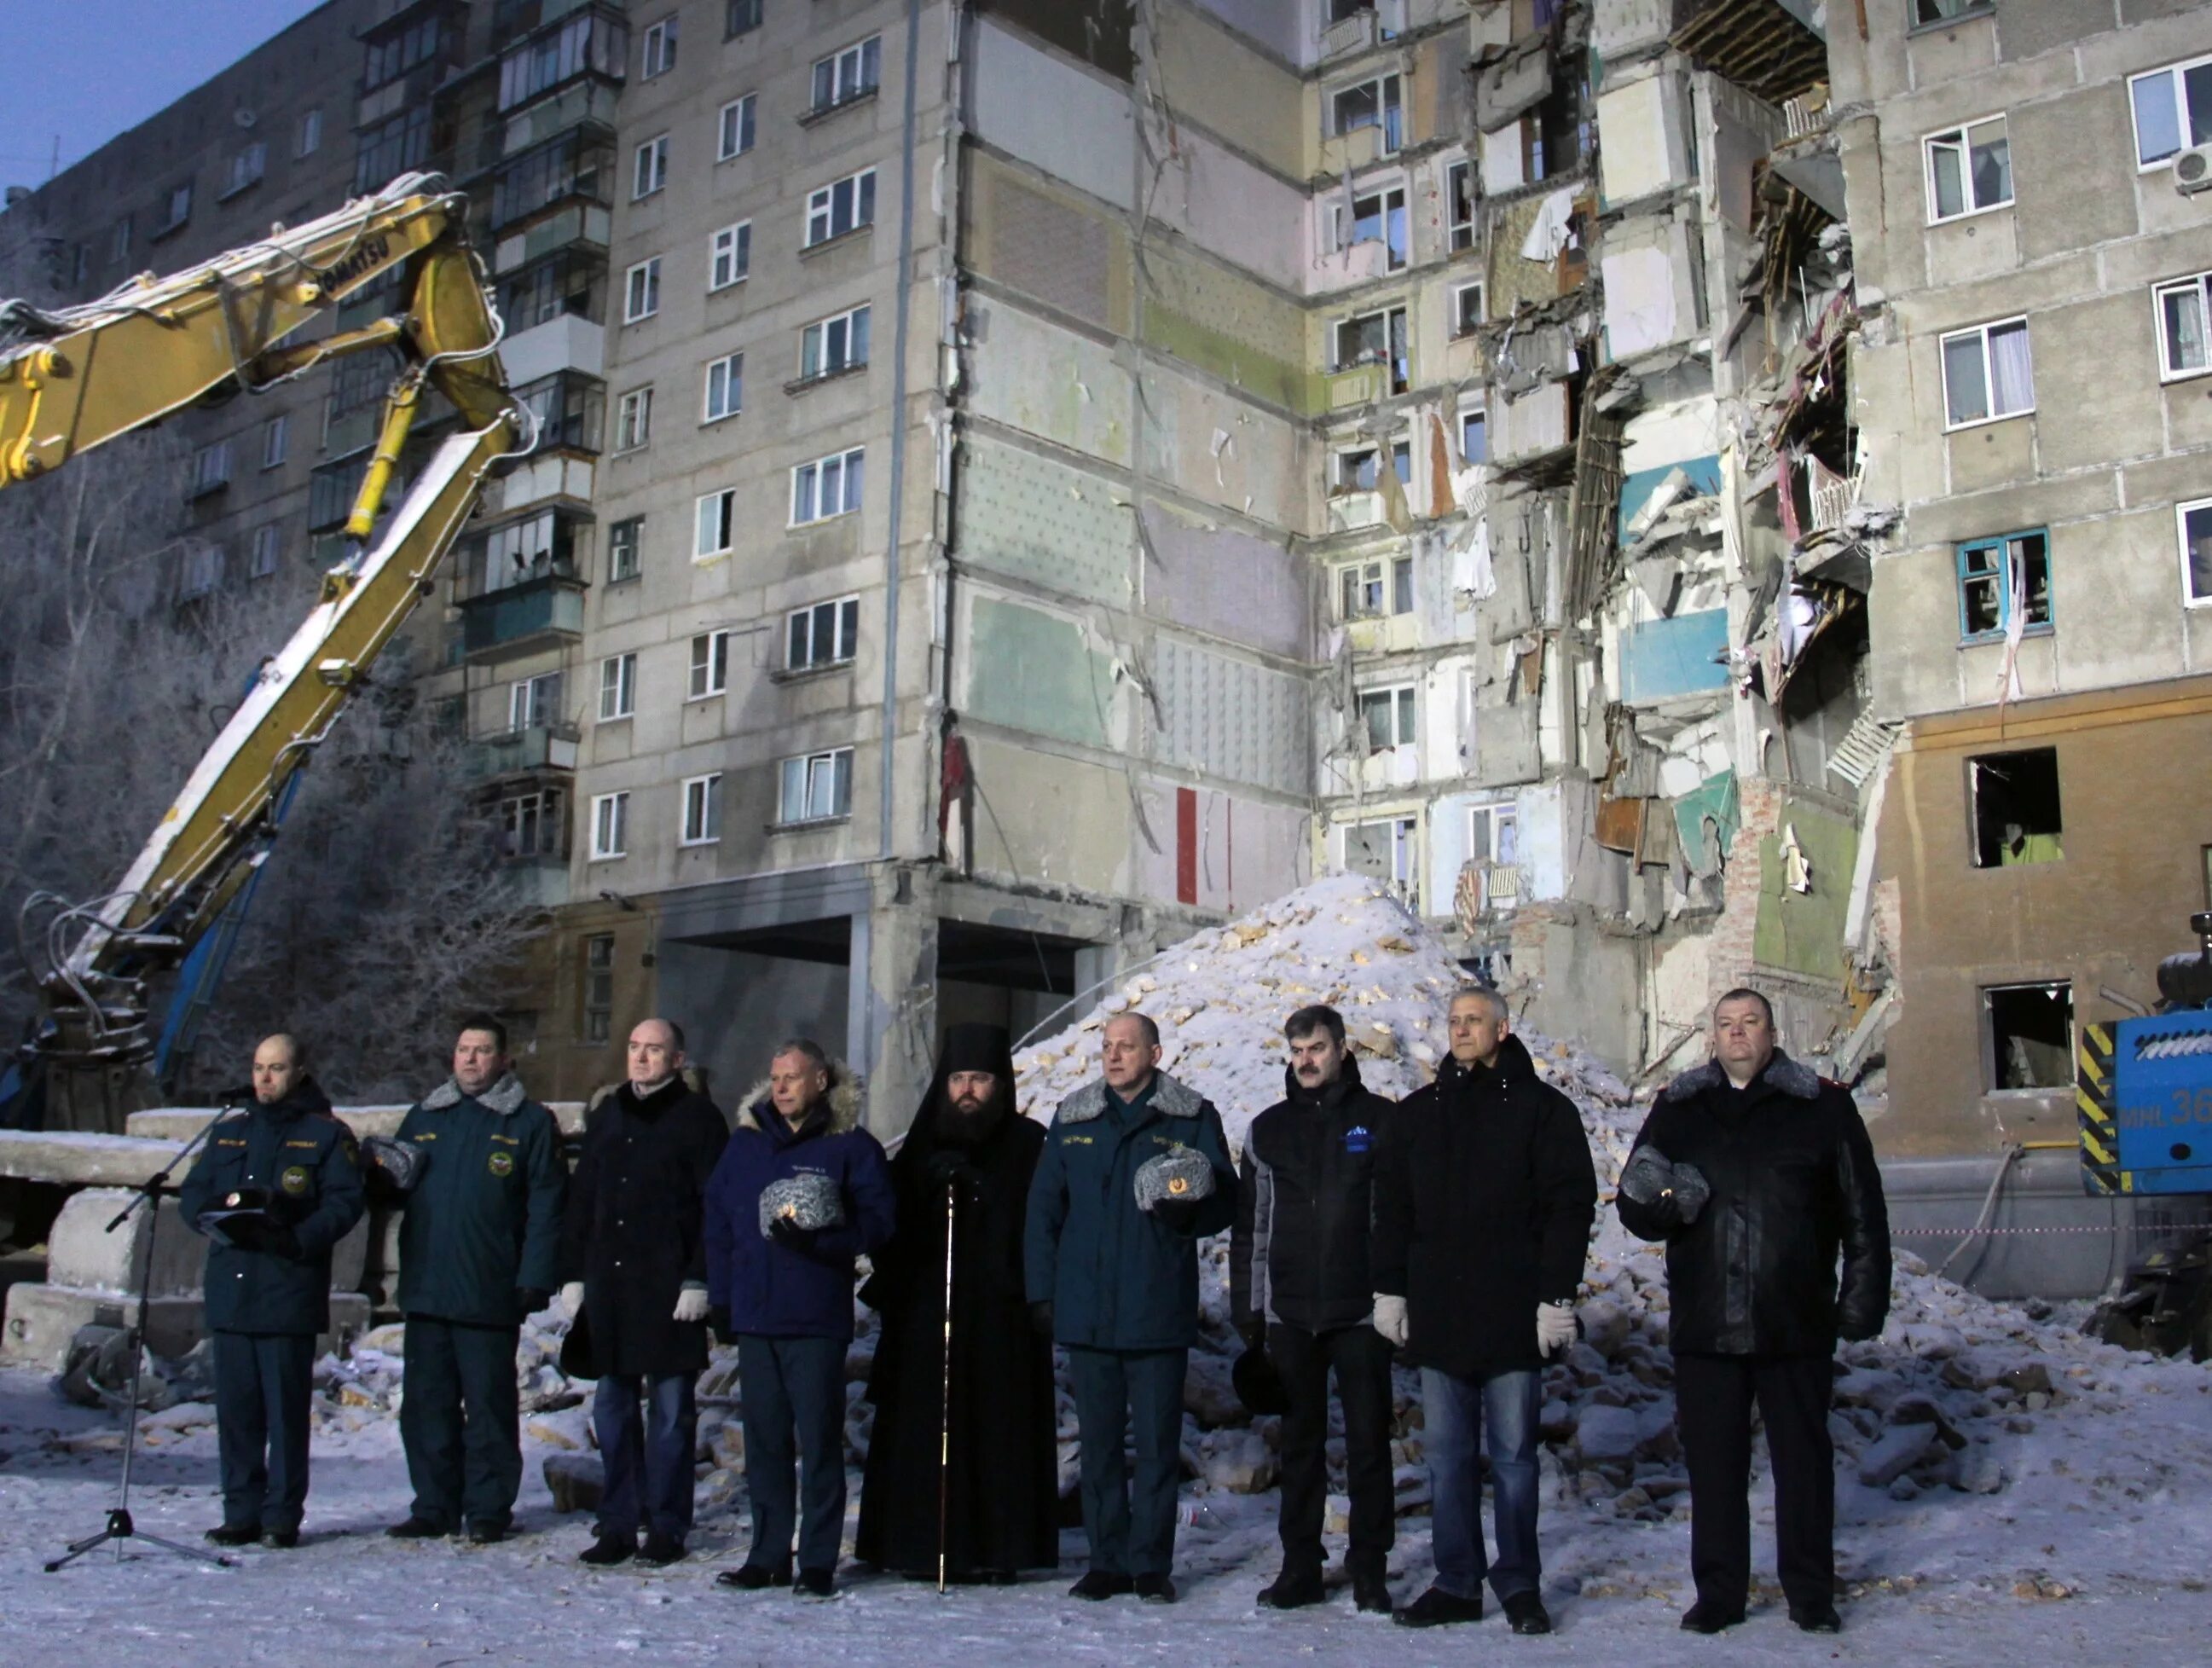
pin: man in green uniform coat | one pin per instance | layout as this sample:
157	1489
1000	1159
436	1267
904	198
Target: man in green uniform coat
479	1248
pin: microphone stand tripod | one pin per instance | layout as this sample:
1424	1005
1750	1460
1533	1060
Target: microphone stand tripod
120	1527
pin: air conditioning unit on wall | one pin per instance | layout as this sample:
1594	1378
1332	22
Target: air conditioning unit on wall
2192	171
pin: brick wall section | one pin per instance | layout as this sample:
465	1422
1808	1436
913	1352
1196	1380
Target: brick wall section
1760	803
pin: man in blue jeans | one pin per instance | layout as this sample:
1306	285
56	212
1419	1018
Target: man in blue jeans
1484	1196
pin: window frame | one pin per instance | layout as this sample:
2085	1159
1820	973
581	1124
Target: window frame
852	318
1989	379
618	543
2002	544
2181	513
1915	22
733	10
610	826
2177	74
826	756
657	44
1390	575
709	675
745	106
619	686
1404	840
649	270
522	702
844	642
1962	131
1992	1071
276	440
1405	704
1480	410
1465	169
835	62
267	542
1348	219
648	168
740	253
636	404
308	137
848	495
2200	283
727	497
732	366
707	789
1460	330
1381	81
826	196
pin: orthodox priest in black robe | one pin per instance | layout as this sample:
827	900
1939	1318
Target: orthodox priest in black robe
1002	1494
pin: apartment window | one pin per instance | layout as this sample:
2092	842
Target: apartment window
1368	590
1987	373
1473	434
725	387
702	810
399	51
1459	205
210	469
1388	715
632	419
617	687
659	54
846	76
1493	834
710	666
391	148
310	138
1383	849
2185	311
741	17
827	486
624	539
276	435
610	826
649	168
711	535
733	128
246	167
2195	521
642	291
825	634
203	571
2027	1035
568	409
263	562
118	240
838	344
733	252
1969	169
1945	11
1466	309
2174	110
2012	798
530	825
175	210
2003	579
599	972
1359	467
534	703
816	787
590	42
1376	338
1377	218
1370	104
845	206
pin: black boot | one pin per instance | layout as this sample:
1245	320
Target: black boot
1526	1611
1292	1590
1155	1589
660	1551
1101	1584
419	1529
1435	1608
815	1583
236	1534
1707	1617
1370	1591
1818	1618
607	1551
751	1577
282	1540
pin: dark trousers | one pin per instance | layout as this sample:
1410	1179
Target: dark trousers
1713	1396
263	1382
461	1421
1360	1356
646	1443
794	1387
1131	1528
1458	1415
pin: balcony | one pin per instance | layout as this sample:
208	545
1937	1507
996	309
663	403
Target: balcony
518	752
547	607
1359	385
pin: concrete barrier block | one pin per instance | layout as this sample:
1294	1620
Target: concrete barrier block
42	1319
81	1253
83	1160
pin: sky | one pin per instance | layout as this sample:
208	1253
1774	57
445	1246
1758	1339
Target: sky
81	71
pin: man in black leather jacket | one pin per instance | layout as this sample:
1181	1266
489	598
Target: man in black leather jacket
1758	1174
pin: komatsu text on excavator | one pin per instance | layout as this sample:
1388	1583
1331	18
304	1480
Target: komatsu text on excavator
73	377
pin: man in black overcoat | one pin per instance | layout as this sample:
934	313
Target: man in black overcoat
970	1142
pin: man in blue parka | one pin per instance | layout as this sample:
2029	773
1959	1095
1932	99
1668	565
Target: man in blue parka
277	1186
479	1249
1135	1172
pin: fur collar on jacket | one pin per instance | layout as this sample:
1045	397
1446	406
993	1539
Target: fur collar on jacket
1790	1076
505	1097
1174	1100
844	1099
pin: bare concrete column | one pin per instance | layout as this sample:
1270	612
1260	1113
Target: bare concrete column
891	1013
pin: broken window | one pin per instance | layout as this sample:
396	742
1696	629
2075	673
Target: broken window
1987	373
1389	715
2195	523
1383	849
1377	218
1459	204
2015	807
1466	309
2173	108
2185	309
1376	338
1340	9
1494	845
1969	169
2000	578
2028	1033
1358	469
1376	103
1367	590
1925	12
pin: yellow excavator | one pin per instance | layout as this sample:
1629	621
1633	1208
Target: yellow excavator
74	377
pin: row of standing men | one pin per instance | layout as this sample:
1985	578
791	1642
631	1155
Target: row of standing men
1450	1228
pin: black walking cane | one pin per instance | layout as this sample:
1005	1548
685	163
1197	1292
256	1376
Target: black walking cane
945	1397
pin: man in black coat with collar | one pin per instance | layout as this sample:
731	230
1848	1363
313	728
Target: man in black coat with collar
278	1185
1483	1204
1301	1288
970	1145
1758	1174
635	1247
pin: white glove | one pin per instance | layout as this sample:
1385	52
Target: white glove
1390	1319
1555	1327
572	1298
691	1305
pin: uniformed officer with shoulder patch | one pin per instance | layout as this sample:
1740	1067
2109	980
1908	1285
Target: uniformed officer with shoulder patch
477	1165
277	1187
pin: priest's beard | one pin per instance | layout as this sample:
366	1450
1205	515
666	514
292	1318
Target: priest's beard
966	1121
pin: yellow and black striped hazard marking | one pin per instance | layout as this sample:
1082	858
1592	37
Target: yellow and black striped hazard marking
2093	1101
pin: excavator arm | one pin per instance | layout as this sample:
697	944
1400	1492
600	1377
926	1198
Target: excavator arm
72	378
